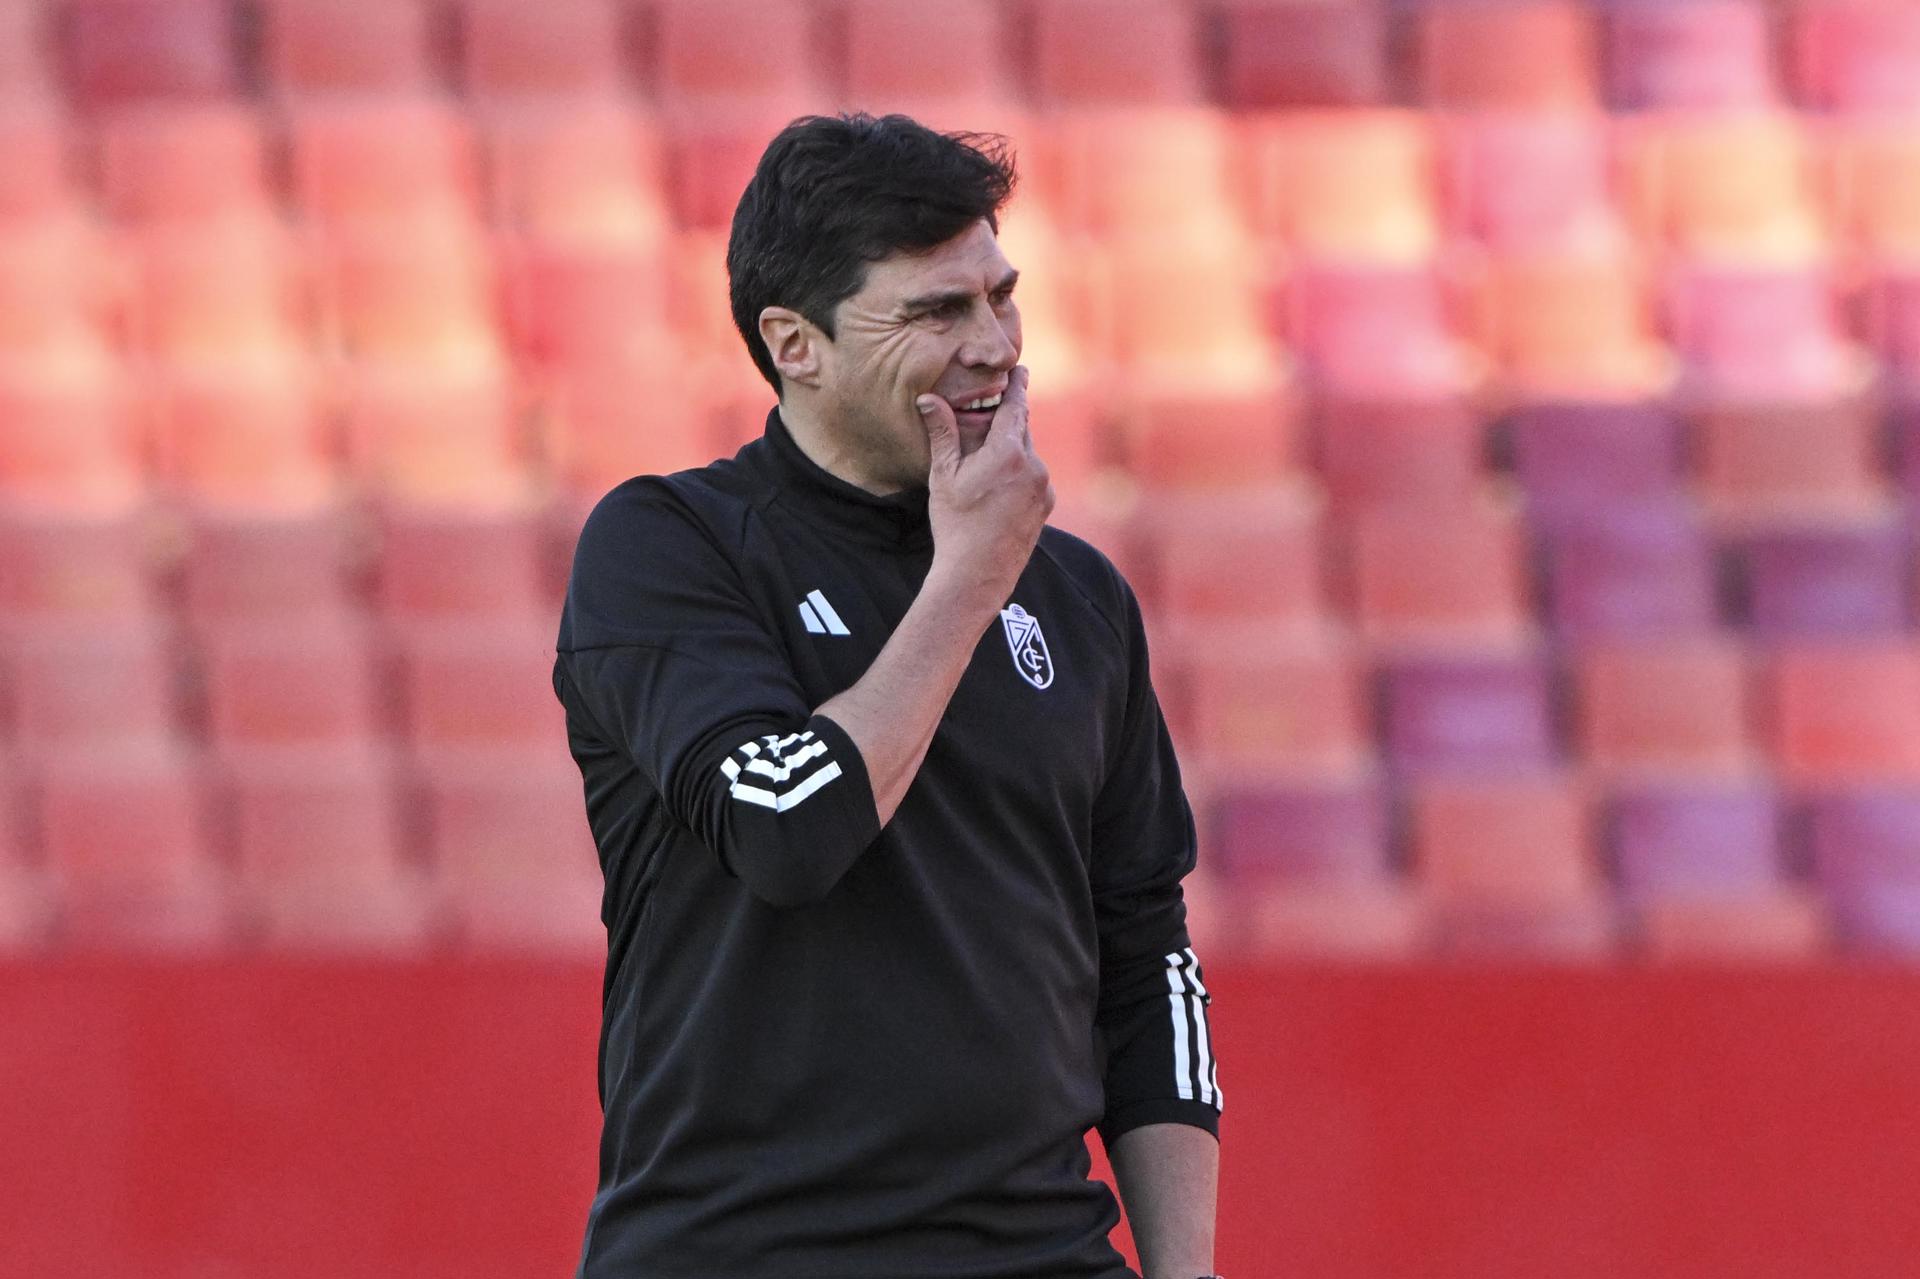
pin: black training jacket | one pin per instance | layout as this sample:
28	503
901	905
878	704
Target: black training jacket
832	1051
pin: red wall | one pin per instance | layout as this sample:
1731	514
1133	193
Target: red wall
429	1119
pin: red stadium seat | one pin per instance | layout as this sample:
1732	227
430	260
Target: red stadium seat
243	436
451	563
700	58
1892	322
1248	555
76	683
57	293
583	174
85	565
1845	713
1108	52
1837	577
594	438
28	58
192	163
67	434
1790	460
1736	186
37	182
374	161
565	47
1529	55
581	306
1636	568
887	68
1343	186
123	50
249	565
1374	452
1439	575
1673	707
1705	54
1376	332
1782	925
426	435
1850	56
348	46
220	295
1301	53
1572	456
305	681
469	683
1251	702
1467	713
711	155
1530	181
1366	924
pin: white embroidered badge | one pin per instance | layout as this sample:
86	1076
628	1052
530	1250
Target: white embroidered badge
1028	645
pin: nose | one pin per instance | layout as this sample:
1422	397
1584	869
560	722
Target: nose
994	340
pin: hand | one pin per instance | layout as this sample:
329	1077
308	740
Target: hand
987	507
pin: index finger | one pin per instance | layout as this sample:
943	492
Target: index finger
1014	404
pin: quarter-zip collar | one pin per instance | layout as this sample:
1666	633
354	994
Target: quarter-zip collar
896	520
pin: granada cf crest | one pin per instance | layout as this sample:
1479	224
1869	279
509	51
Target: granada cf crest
1029	646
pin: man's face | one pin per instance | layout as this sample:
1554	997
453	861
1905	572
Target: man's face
943	322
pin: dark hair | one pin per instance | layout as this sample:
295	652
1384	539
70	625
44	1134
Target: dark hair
834	193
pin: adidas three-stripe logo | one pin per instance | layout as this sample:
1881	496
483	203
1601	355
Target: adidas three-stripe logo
819	616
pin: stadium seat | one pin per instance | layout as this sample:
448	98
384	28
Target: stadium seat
1563	326
1509	866
1641	568
220	296
1108	52
125	836
74	682
29	62
1865	849
572	48
1845	713
1250	702
1757	334
68	434
513	856
1873	167
1691	838
1787	460
1140	171
1891	302
253	565
307	680
1299	832
884	46
1300	53
248	435
125	50
1674	707
425	299
1572	456
184	163
1737	187
1838	578
348	47
453	562
576	307
479	682
588	174
711	155
1439	576
1376	452
1366	923
1376	331
1245	555
1343	186
76	564
1523	55
436	436
701	61
594	437
1527	181
37	182
58	298
1781	925
1854	57
373	161
1701	55
316	840
1467	713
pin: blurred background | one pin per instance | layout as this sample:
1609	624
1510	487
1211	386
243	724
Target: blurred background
1507	410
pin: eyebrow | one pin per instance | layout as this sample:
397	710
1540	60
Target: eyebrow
929	301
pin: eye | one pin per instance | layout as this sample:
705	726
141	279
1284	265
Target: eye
1002	296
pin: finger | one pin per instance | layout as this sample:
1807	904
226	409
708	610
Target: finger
1010	418
943	435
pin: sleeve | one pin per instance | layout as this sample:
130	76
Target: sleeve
1153	1000
667	656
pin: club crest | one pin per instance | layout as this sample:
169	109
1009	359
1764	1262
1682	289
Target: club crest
1028	645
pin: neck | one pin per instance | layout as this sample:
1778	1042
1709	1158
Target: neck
830	450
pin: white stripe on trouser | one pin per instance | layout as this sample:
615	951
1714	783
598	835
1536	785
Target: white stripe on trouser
1186	998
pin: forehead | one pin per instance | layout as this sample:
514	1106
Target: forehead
970	261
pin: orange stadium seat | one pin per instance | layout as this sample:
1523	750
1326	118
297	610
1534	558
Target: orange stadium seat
194	163
241	565
377	160
348	46
76	683
566	47
1736	186
1835	577
588	173
1373	452
68	434
1669	707
1574	456
220	295
1246	555
1528	55
121	50
1848	713
1630	568
450	563
1343	186
1529	181
1849	56
58	295
885	48
316	840
1300	53
1139	170
37	182
426	435
1874	180
86	564
605	422
1105	52
429	298
29	59
125	835
247	435
1573	327
1247	701
699	58
1509	865
513	856
305	681
1711	54
1467	713
574	306
468	683
1447	575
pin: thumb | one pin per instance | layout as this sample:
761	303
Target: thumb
943	434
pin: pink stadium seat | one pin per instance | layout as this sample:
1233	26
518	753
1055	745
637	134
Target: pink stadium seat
1246	555
1641	568
301	681
348	46
700	59
220	295
1865	846
1300	832
587	173
1528	55
572	47
1300	53
1733	186
586	306
1375	332
424	299
316	839
280	566
29	61
1837	577
76	683
92	564
1368	923
1439	575
374	161
1249	702
1372	452
1467	713
1571	456
1892	304
191	163
1702	54
426	435
1674	707
1104	52
37	182
1510	866
1526	180
1850	56
1760	333
250	435
1778	925
1845	713
1873	173
1343	186
67	435
452	563
121	50
512	853
472	683
1573	326
885	46
1790	460
125	835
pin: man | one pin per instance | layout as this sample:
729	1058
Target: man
892	830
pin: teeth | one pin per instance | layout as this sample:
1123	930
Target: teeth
991	403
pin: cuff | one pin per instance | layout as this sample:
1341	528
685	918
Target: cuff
1158	1110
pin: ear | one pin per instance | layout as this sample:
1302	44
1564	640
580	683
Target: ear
794	342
